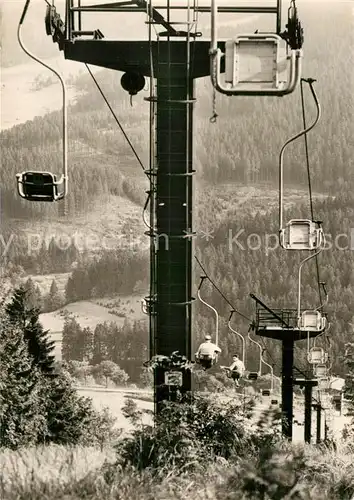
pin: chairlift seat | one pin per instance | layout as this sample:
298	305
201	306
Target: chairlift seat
312	321
253	376
205	360
301	234
265	392
40	186
274	402
316	355
320	370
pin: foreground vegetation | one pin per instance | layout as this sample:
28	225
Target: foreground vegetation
214	458
54	445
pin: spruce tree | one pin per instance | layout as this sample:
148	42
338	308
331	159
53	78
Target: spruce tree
22	414
24	316
53	300
68	415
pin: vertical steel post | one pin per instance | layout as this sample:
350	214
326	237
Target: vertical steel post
174	246
287	388
308	403
318	419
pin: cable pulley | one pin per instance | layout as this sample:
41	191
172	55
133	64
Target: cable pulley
54	26
294	35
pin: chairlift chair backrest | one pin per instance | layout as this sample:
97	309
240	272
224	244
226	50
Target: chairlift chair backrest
254	62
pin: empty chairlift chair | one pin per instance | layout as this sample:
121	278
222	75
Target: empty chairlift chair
317	355
40	186
302	234
299	234
320	371
257	63
312	321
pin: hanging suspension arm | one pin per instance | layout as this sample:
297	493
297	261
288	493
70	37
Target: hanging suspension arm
310	81
239	335
260	351
271	371
299	280
202	278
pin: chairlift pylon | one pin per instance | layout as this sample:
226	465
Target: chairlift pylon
39	185
255	64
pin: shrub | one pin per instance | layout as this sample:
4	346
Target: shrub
186	435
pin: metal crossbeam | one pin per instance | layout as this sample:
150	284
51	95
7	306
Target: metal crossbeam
118	7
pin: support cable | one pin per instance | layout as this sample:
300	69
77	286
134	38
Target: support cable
115	117
309	180
232	306
220	292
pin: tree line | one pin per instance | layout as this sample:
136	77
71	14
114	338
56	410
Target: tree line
38	404
126	346
242	147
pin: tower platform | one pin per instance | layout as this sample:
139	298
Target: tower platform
281	324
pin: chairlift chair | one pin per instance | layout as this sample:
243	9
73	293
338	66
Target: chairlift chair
316	355
320	370
205	361
255	64
40	186
302	234
299	234
312	321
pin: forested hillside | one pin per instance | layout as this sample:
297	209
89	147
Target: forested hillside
241	149
242	146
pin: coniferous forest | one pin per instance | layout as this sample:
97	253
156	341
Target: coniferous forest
239	150
206	447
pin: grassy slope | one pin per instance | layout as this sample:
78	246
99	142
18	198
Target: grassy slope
91	313
74	473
